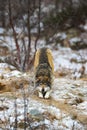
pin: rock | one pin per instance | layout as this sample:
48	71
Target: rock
37	115
34	112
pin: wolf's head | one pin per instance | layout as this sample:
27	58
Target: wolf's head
44	91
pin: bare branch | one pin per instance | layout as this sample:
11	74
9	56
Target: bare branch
14	32
39	20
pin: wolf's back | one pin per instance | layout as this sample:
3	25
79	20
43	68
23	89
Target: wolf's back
44	56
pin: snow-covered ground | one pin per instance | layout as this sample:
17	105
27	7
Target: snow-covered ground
65	110
67	107
64	56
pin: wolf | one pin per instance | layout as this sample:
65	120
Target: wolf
44	70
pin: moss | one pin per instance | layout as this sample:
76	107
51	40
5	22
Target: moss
22	125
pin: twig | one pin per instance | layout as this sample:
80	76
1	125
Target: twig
39	19
15	106
14	32
26	102
29	35
26	119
